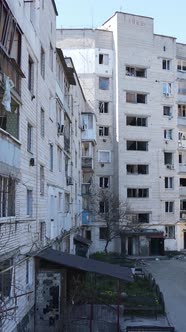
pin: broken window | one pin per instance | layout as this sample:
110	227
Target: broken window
137	192
135	71
6	270
137	169
42	122
182	110
30	74
139	218
166	64
67	203
136	121
103	59
102	233
182	182
42	64
103	131
42	180
51	57
168	182
103	83
103	107
167	110
42	232
134	97
103	207
183	205
169	207
168	133
168	158
29	202
88	235
29	137
170	232
10	33
167	89
104	181
181	65
137	146
7	197
51	157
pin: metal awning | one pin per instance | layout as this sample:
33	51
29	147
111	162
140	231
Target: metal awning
85	264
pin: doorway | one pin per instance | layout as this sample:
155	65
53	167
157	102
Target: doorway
184	239
157	246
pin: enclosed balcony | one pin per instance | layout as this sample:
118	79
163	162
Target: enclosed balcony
10	155
87	162
182	168
85	188
88	127
87	217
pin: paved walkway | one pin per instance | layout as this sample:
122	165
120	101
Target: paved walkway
170	275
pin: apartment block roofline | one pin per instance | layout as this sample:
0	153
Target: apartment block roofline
157	34
90	29
120	12
55	8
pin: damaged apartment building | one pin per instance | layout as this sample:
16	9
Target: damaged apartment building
135	84
41	102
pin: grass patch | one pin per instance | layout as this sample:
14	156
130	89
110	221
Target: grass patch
113	258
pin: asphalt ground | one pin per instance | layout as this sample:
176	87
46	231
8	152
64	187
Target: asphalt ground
170	275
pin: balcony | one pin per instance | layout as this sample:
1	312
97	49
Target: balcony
88	127
85	188
183	214
182	168
10	155
182	144
182	191
181	121
87	162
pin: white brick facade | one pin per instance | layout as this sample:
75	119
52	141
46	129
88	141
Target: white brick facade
43	160
144	92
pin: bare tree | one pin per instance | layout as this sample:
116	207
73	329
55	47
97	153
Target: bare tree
113	213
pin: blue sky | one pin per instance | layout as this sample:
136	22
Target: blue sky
169	15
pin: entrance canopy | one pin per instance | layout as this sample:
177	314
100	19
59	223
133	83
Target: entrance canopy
85	264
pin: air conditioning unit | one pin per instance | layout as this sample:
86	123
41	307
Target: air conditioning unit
60	129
